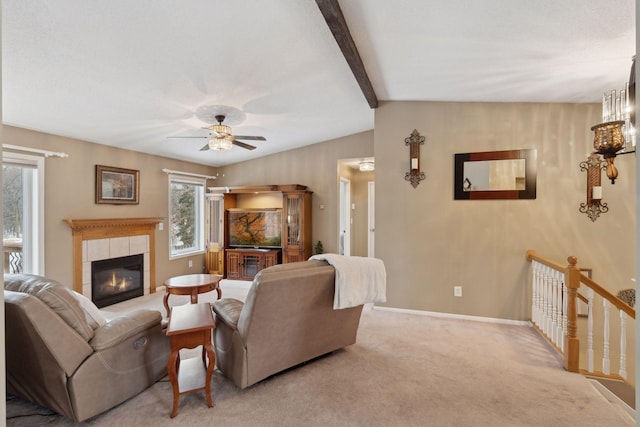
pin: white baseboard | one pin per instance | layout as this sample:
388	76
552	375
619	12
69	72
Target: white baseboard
454	316
243	284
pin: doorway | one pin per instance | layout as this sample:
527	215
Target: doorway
355	205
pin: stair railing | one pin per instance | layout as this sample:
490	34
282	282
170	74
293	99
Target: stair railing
554	302
624	312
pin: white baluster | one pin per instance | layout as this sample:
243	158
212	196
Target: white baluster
559	335
534	292
543	299
539	297
546	305
590	296
554	309
564	314
623	345
606	363
549	302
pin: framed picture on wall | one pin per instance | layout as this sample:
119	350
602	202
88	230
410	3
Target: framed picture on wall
117	186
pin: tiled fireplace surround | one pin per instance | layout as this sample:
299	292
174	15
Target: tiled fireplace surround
98	239
99	249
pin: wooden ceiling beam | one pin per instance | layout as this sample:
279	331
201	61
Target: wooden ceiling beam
335	20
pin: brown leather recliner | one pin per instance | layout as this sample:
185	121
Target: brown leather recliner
287	319
56	358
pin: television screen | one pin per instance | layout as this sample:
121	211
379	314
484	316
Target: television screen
258	228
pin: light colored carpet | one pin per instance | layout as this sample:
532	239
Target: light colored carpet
404	370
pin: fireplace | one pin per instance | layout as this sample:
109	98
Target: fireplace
117	279
102	238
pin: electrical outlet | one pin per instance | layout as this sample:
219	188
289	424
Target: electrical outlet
191	264
457	291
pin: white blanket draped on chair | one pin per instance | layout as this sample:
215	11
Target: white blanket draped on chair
359	280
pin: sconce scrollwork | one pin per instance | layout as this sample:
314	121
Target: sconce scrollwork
594	165
414	141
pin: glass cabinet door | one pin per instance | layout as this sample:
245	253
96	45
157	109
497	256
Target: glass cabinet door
250	265
293	220
215	233
296	245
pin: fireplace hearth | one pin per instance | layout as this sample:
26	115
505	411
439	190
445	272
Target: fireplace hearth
115	280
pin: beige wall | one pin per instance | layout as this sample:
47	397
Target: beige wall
430	242
315	166
259	201
70	193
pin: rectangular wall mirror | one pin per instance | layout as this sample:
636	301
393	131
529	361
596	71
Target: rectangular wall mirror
507	174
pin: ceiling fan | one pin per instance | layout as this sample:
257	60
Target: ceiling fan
221	138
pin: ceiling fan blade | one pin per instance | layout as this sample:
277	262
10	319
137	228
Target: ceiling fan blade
251	138
243	145
205	147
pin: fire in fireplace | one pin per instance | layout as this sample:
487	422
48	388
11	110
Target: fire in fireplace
117	279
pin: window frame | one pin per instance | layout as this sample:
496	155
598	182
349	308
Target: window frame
33	201
199	211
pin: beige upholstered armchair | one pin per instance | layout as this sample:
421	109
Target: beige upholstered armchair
69	358
287	319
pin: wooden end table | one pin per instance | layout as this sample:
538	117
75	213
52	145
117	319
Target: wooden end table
189	326
191	284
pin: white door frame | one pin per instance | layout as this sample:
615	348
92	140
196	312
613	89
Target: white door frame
371	222
344	231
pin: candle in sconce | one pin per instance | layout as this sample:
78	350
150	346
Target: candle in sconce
596	192
414	163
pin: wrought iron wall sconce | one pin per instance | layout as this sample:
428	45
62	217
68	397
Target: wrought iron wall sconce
614	137
594	205
608	140
414	141
617	134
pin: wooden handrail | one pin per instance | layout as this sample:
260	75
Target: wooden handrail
572	281
583	299
620	305
532	256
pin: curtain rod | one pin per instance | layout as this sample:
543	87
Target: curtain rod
169	171
45	153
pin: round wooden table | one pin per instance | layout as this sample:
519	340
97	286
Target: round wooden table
192	285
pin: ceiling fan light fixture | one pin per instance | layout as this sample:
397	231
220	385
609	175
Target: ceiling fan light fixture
220	138
221	144
367	166
221	130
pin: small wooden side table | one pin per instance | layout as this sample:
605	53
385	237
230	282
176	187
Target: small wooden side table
192	285
189	326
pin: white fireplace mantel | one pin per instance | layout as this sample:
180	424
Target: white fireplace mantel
111	228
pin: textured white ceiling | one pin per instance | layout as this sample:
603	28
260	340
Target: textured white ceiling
132	73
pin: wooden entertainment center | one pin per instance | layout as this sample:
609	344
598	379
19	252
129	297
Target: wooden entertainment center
243	263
